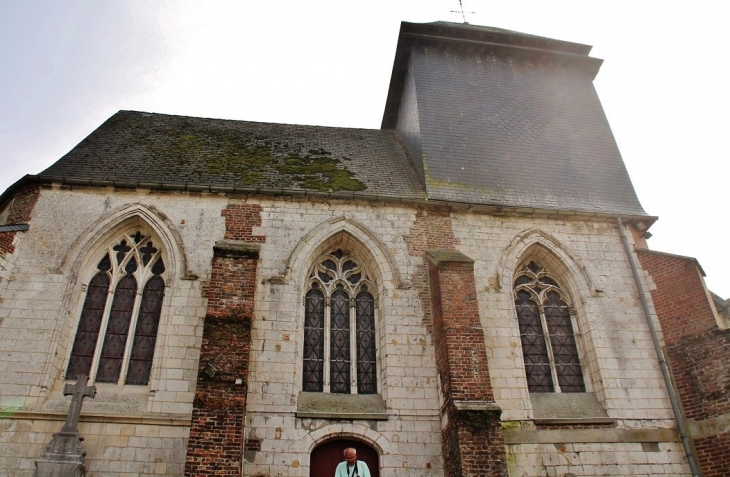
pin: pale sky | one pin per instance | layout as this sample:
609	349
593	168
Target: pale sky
68	66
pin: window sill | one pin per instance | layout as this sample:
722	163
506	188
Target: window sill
568	409
369	407
476	406
575	421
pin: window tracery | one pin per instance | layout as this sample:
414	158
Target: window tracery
117	331
549	348
339	327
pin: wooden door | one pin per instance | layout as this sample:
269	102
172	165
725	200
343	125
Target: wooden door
325	457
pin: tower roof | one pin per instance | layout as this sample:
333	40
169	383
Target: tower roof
501	118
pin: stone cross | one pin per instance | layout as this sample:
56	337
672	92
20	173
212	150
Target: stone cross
78	391
64	455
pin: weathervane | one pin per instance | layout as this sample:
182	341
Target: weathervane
462	12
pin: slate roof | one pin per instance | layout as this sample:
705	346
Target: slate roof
506	119
135	147
499	119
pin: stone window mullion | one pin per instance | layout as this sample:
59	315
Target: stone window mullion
102	330
130	336
549	344
326	337
353	347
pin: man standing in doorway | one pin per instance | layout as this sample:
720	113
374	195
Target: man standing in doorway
352	467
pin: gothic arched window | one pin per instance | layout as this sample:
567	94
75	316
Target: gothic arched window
115	339
546	331
339	327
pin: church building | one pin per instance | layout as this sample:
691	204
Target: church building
466	291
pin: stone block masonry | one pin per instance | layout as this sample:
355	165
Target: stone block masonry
280	442
616	347
698	352
138	430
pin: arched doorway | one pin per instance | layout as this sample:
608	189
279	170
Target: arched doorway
326	456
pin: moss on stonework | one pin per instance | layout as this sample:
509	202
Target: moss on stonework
511	425
249	160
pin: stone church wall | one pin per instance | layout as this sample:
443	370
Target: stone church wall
576	459
297	232
615	345
140	426
130	430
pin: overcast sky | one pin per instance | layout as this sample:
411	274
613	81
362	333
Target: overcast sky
68	66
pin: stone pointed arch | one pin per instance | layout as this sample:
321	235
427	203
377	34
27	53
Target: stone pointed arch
535	243
121	218
79	260
343	230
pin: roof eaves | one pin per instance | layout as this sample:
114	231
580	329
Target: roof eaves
672	255
500	35
500	210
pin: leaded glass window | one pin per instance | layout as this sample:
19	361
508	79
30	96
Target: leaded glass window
339	327
546	331
117	332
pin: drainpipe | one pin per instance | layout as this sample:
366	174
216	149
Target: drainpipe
659	353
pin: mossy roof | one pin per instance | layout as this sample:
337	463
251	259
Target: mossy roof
137	147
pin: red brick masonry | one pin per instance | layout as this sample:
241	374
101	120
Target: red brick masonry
216	442
240	221
216	433
472	441
19	213
431	230
697	349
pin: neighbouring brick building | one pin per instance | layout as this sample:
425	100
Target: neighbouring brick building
697	343
453	293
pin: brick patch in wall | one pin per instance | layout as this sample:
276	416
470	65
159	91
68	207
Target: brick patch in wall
240	221
232	284
19	213
431	230
253	444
